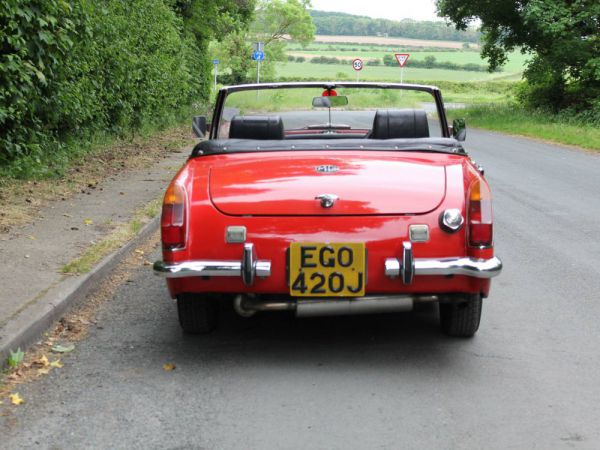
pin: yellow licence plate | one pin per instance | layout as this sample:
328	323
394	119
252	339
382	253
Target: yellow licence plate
327	270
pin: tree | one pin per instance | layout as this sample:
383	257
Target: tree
275	22
213	20
562	35
280	20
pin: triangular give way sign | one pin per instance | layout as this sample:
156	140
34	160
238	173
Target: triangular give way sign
402	58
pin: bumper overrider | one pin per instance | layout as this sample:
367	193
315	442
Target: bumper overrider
249	267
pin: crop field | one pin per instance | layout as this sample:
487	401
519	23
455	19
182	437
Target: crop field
388	41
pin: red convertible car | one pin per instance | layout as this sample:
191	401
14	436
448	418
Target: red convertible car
329	199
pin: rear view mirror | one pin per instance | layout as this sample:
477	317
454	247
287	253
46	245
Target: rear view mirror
200	126
459	129
330	101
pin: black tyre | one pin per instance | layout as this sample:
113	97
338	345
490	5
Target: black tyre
461	316
197	313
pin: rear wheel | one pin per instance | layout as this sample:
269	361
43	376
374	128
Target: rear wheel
197	313
461	316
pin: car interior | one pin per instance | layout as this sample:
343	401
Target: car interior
387	124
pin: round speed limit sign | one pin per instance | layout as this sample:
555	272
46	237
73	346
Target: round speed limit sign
357	64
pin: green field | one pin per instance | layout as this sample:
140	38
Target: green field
384	73
514	64
511	71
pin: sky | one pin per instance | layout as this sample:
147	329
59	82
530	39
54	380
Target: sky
387	9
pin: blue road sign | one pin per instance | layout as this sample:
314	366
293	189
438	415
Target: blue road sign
258	55
216	61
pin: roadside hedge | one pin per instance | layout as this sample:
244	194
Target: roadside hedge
72	68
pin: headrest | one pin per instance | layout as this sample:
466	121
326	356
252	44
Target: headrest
400	123
256	127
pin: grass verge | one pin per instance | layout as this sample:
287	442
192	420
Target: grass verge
512	119
117	238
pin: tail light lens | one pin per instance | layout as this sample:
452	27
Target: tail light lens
479	215
173	219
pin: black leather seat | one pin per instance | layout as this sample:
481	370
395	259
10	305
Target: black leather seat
400	124
256	127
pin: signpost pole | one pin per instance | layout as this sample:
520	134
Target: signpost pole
216	74
258	55
401	58
216	68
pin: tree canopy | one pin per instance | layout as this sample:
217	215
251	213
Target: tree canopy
563	37
71	69
336	23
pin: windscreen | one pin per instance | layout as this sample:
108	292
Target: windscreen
315	112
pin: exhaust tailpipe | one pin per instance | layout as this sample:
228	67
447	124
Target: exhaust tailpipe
248	305
346	307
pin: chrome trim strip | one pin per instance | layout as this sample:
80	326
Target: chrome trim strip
472	267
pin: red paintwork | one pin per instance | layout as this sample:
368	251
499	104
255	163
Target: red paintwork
287	183
281	187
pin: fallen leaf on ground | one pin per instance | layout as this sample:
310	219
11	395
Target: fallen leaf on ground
44	371
139	252
32	237
67	215
15	399
168	367
15	376
43	361
88	221
57	364
58	348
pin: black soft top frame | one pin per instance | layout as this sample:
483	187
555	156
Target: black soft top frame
223	146
225	91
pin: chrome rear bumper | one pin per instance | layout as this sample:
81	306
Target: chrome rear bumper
249	267
409	266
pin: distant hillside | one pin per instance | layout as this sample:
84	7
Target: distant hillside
335	23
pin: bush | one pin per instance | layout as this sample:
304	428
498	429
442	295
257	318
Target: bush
69	69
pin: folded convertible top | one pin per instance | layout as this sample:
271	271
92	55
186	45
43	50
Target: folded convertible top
220	146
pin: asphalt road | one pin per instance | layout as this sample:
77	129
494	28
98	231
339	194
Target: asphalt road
529	379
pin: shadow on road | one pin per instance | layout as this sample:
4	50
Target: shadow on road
281	340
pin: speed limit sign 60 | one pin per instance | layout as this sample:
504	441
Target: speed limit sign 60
357	64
